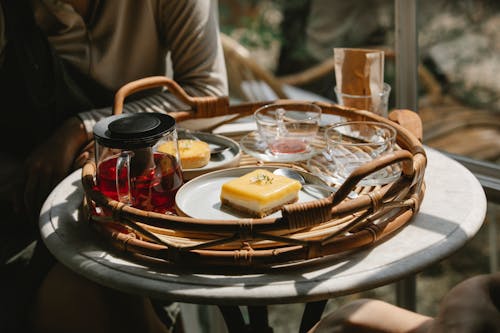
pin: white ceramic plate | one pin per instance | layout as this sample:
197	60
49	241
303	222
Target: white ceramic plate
200	197
227	159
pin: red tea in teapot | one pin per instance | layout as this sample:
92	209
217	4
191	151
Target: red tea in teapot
152	188
129	168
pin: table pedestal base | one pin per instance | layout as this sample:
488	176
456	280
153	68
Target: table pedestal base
406	290
258	318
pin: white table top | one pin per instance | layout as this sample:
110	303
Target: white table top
451	213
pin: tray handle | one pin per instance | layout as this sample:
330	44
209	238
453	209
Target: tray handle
409	120
401	156
308	214
203	107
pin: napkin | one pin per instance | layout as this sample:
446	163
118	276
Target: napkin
359	72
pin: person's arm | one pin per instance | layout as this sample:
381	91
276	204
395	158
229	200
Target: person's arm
50	162
192	34
190	30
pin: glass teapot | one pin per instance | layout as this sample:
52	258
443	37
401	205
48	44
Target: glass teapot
130	168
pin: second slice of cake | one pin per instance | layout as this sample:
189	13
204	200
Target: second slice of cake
193	153
259	193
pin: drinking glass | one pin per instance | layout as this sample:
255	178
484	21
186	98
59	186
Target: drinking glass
377	104
354	143
288	128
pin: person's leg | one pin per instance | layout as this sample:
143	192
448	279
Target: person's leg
16	290
24	263
67	302
367	315
471	306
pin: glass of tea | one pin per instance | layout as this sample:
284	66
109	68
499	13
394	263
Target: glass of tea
288	127
130	168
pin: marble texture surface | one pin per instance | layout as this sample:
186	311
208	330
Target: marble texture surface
452	212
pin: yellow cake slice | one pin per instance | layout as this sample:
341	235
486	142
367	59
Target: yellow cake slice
193	153
259	193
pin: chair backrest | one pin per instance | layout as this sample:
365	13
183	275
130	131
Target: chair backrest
248	80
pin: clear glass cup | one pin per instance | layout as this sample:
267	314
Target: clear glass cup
378	104
354	143
288	128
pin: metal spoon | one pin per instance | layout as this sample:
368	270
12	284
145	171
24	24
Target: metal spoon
215	148
297	176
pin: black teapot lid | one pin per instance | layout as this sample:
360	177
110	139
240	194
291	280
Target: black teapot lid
132	131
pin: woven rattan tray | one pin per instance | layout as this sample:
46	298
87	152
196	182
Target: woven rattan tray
304	231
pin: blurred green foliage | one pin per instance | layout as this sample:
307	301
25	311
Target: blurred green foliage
254	23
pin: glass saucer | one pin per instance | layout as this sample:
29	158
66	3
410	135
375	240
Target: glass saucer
322	166
253	145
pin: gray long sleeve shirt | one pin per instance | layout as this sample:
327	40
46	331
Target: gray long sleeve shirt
126	40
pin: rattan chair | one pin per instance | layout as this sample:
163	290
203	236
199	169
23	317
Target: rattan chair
248	81
251	82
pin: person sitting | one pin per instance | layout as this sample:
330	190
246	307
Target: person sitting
60	63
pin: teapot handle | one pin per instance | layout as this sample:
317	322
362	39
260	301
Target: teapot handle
207	106
123	165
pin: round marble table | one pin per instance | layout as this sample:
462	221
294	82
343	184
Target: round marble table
451	213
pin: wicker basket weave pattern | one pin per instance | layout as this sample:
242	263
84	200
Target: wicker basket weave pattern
304	231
